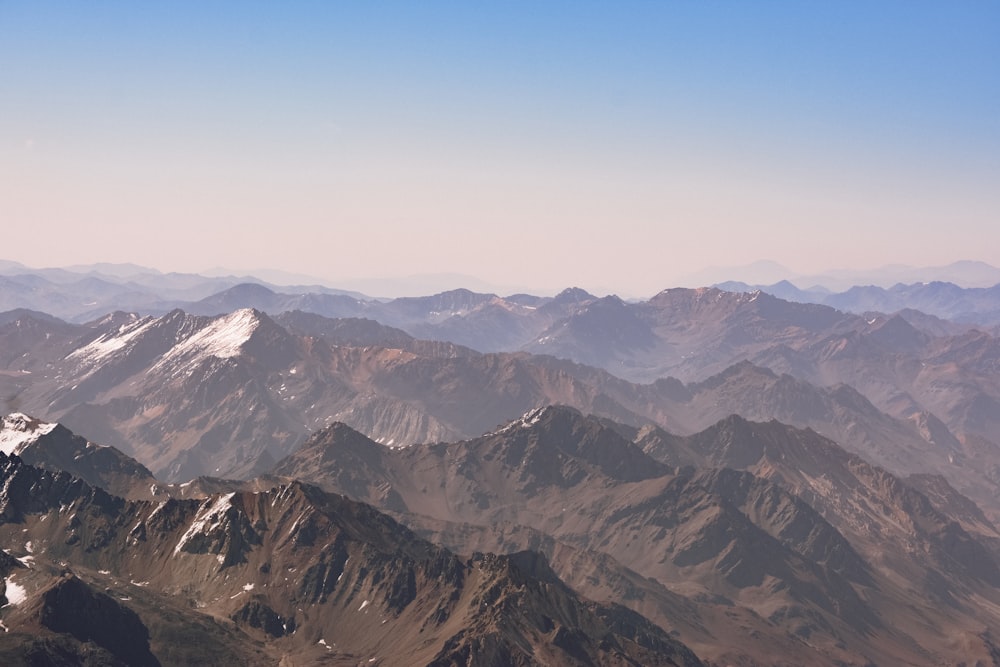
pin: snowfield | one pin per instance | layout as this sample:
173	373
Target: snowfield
15	593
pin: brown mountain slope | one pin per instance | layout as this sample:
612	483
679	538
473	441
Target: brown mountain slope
305	576
703	535
880	513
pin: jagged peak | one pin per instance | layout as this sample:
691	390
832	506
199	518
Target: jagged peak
453	297
337	444
735	420
18	430
690	292
519	566
573	295
748	366
111	342
609	301
337	433
533	417
740	368
559	432
222	337
729	427
210	515
460	292
248	289
738	424
112	317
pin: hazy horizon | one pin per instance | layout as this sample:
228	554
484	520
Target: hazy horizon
762	273
618	148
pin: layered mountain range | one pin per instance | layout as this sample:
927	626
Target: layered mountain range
292	575
781	523
964	292
770	545
229	395
524	480
963	305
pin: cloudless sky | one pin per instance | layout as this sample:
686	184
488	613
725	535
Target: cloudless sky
617	146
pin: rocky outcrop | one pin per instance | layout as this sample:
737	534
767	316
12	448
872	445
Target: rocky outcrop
72	607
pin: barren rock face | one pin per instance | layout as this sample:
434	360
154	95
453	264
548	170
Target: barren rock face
72	607
302	573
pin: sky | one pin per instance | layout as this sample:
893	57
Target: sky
617	146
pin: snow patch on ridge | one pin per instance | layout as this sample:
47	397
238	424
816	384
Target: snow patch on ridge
18	430
528	419
95	352
15	593
222	338
209	517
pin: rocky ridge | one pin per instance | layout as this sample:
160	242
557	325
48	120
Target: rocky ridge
751	539
293	573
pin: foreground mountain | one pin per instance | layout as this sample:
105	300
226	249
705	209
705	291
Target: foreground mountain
879	574
293	575
808	555
883	515
54	447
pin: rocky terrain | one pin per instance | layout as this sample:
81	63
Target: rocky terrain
229	395
293	575
849	560
774	538
768	482
54	447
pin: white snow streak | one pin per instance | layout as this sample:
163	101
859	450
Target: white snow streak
210	514
529	418
15	593
222	338
108	344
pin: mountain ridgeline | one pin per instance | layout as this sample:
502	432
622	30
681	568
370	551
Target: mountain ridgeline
226	472
779	522
229	395
611	544
291	574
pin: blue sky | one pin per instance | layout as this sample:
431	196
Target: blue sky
616	146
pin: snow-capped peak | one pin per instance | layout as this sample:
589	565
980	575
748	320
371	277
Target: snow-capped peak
210	516
17	431
108	344
528	419
222	338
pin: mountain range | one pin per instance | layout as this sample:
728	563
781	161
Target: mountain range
720	473
965	306
292	575
229	395
963	292
771	545
965	273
